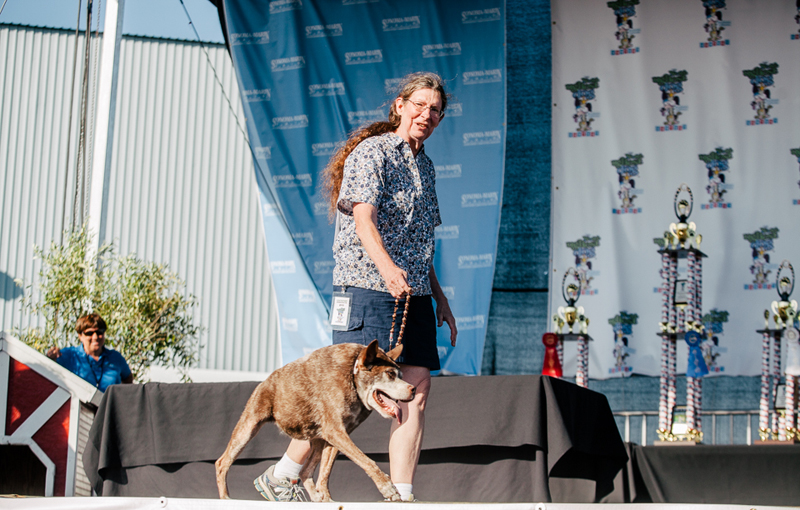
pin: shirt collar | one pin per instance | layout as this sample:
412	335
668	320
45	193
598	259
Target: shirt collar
398	142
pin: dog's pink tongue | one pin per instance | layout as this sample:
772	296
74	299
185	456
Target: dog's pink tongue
398	413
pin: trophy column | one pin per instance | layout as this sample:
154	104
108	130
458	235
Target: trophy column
681	318
570	315
778	423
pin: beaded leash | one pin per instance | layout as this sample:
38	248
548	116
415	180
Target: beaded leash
402	324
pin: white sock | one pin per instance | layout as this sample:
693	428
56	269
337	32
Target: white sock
287	468
404	489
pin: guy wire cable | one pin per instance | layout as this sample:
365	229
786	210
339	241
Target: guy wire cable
69	124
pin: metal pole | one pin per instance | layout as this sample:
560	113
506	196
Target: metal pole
104	128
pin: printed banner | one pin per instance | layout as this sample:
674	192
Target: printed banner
651	95
312	72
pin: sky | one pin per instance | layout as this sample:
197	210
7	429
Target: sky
156	18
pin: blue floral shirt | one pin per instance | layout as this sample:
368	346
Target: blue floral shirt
383	172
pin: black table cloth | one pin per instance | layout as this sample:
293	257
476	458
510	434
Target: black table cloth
487	439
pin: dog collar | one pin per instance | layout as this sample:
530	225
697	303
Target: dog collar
355	367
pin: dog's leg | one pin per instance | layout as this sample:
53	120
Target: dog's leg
328	457
257	411
339	439
307	473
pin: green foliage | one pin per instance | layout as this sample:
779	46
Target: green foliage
719	154
629	159
673	76
148	314
585	83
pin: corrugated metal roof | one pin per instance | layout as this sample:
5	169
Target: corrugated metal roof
181	188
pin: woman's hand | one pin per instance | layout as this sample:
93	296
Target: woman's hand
444	314
396	281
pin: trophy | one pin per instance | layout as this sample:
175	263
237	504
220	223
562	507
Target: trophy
570	315
776	424
681	318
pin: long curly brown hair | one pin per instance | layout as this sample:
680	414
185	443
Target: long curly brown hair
334	172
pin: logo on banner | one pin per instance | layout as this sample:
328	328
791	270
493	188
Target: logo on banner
292	181
627	168
455	110
287	64
623	330
306	296
762	77
712	323
303	238
475	261
583	92
270	209
293	122
584	250
244	38
446	232
326	89
263	152
485	76
714	24
479	199
761	243
289	324
407	23
717	163
625	10
257	95
392	85
670	85
796	153
481	15
320	208
282	267
324	266
314	31
363	57
365	116
441	50
355	2
449	292
448	171
482	138
473	322
324	149
277	6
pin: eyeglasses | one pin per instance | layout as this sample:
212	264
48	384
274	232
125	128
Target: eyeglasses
436	113
91	333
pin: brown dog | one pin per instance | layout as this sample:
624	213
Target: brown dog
322	398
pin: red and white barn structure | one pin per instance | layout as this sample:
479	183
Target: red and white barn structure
45	414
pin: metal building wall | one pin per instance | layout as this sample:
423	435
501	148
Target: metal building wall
181	190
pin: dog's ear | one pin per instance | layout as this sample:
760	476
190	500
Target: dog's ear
396	352
367	356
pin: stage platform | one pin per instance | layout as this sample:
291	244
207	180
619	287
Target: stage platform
494	441
106	503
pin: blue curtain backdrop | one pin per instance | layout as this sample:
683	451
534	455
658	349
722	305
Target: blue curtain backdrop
310	73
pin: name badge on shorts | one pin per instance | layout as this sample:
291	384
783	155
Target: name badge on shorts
340	310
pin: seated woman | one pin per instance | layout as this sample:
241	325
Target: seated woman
93	361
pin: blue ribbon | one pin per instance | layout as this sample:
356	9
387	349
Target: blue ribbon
697	364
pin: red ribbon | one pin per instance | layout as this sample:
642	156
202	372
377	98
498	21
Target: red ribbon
552	366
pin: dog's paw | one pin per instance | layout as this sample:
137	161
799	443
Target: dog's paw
392	495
